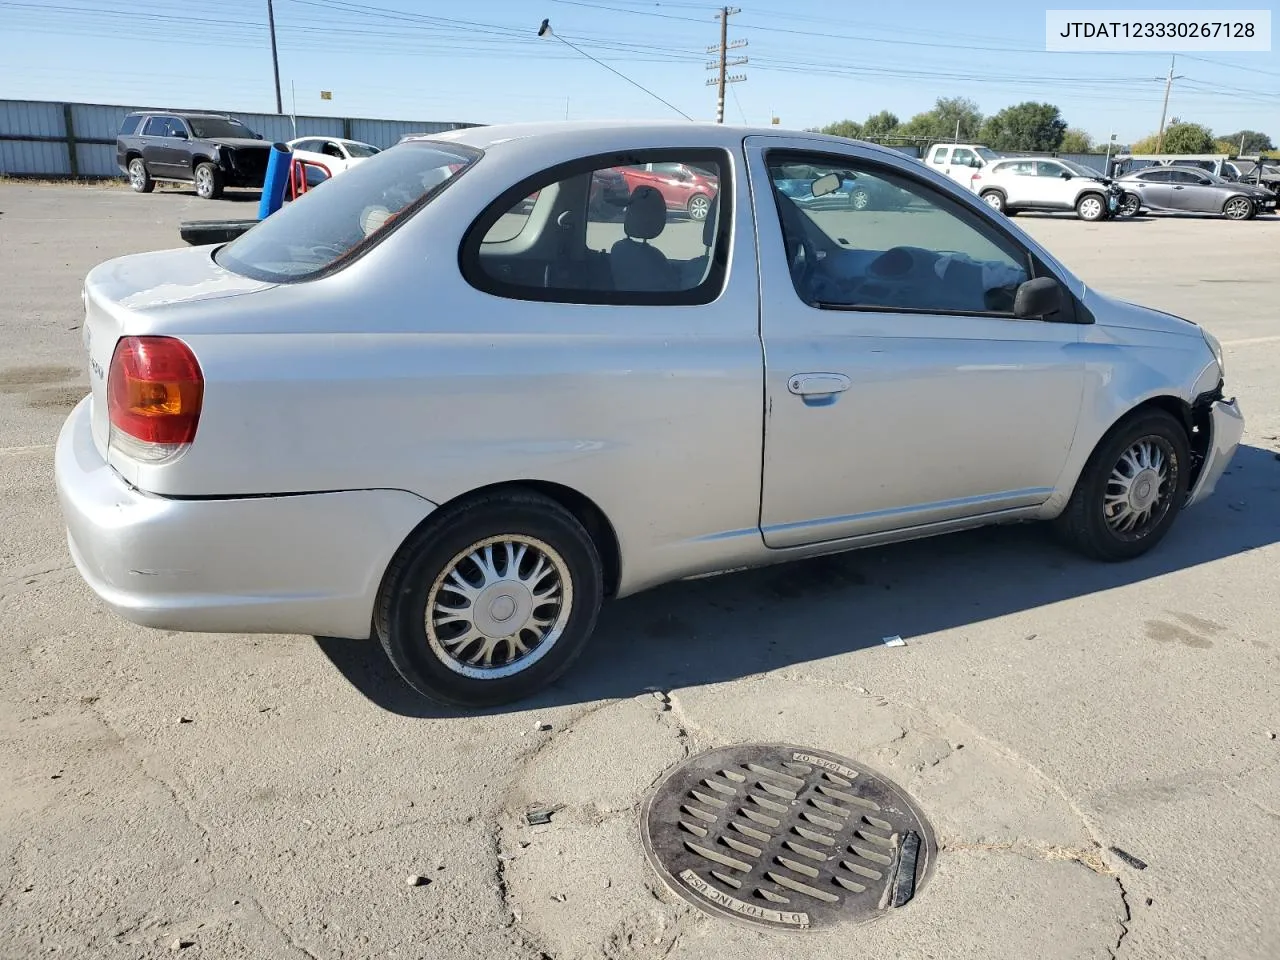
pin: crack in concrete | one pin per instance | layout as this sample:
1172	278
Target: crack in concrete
1124	924
274	925
1274	814
1033	850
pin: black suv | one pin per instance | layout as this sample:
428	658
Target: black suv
205	149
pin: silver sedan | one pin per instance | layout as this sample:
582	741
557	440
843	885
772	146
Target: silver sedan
463	394
1174	189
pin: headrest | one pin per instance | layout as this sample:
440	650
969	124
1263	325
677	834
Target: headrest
646	214
710	224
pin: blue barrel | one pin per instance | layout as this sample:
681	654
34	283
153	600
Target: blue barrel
277	180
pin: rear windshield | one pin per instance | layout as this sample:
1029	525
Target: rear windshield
361	150
333	222
209	127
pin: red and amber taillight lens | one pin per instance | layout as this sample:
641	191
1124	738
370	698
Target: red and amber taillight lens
154	393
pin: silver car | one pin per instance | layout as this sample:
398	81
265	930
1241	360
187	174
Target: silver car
446	402
1177	189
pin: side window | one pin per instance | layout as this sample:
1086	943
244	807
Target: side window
1022	168
129	126
961	157
175	127
1183	176
156	127
607	233
1046	169
939	155
1157	176
912	249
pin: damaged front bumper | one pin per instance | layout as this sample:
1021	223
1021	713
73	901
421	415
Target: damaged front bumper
1226	426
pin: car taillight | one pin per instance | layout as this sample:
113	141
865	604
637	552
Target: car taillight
154	393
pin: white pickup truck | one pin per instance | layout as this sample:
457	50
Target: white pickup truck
960	161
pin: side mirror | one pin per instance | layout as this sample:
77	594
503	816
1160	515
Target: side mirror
257	136
179	134
1038	298
1065	174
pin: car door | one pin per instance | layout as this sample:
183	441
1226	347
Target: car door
1054	190
1153	187
963	165
1193	192
1018	178
157	148
900	392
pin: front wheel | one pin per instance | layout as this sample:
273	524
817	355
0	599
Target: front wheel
699	205
491	602
860	199
208	181
1238	208
1129	206
1131	490
1091	207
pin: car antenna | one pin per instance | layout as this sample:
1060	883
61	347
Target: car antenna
545	31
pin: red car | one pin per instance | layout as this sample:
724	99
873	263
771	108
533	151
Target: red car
686	189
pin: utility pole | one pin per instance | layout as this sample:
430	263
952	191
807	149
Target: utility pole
1165	109
275	59
723	62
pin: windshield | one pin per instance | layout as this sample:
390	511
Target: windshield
208	128
360	149
323	227
1079	169
986	154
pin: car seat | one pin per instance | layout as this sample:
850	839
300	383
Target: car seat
636	264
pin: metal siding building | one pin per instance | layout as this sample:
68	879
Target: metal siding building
56	139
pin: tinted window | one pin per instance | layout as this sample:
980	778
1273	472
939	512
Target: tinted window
596	233
211	127
323	229
927	254
1046	169
174	127
939	155
962	157
1022	168
129	126
156	127
1185	176
1156	176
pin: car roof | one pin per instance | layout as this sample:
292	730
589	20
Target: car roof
184	114
640	134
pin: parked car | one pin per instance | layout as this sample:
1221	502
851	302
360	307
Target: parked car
1035	183
382	406
207	150
1261	174
854	192
335	153
1184	190
685	188
960	161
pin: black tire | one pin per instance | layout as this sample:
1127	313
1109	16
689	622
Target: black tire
860	198
1092	207
208	181
994	199
698	207
432	552
140	177
1084	524
1247	209
1131	206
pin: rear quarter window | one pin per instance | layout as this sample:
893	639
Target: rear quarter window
130	126
322	231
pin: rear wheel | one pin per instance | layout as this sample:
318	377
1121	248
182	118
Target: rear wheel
1091	207
699	204
492	601
1131	490
208	181
860	198
140	177
1238	208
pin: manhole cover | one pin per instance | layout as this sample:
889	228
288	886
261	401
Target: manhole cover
786	837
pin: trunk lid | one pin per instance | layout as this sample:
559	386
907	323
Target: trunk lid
121	298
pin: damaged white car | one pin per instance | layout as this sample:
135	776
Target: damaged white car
469	390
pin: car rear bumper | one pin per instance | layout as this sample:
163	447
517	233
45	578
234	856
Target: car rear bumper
1226	427
307	563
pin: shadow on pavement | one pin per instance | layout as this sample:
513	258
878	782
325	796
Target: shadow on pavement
725	628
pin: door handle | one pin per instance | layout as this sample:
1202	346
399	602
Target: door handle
1177	188
818	384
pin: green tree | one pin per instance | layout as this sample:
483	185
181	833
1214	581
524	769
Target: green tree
1188	138
1076	140
1025	126
941	122
844	128
880	124
1254	142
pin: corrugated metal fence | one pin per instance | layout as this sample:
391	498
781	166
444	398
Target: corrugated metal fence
53	139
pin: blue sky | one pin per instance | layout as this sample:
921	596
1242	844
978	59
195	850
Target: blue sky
810	61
